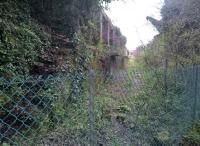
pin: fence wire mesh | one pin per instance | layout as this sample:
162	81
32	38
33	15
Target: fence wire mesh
33	111
142	108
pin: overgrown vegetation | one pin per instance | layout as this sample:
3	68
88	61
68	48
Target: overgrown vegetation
177	46
22	39
43	38
193	136
151	107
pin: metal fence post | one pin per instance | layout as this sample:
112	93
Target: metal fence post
63	94
166	77
92	136
195	92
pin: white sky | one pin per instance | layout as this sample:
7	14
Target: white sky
130	17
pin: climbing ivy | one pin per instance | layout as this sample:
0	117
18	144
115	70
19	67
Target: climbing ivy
81	61
21	39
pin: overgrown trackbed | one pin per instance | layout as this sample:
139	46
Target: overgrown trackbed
145	108
127	108
123	86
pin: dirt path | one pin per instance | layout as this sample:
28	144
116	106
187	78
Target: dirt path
122	123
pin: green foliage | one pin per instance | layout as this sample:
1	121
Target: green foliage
112	140
21	40
193	137
158	112
80	66
19	12
176	46
5	144
103	110
124	109
178	43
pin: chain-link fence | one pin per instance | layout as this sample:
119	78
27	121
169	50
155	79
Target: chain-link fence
151	107
128	107
38	111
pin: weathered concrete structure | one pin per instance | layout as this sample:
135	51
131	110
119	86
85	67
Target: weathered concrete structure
115	42
111	36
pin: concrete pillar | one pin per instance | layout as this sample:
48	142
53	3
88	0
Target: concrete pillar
113	38
101	27
108	34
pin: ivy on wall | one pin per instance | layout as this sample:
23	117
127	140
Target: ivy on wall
21	39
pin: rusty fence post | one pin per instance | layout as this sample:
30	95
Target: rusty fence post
92	135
